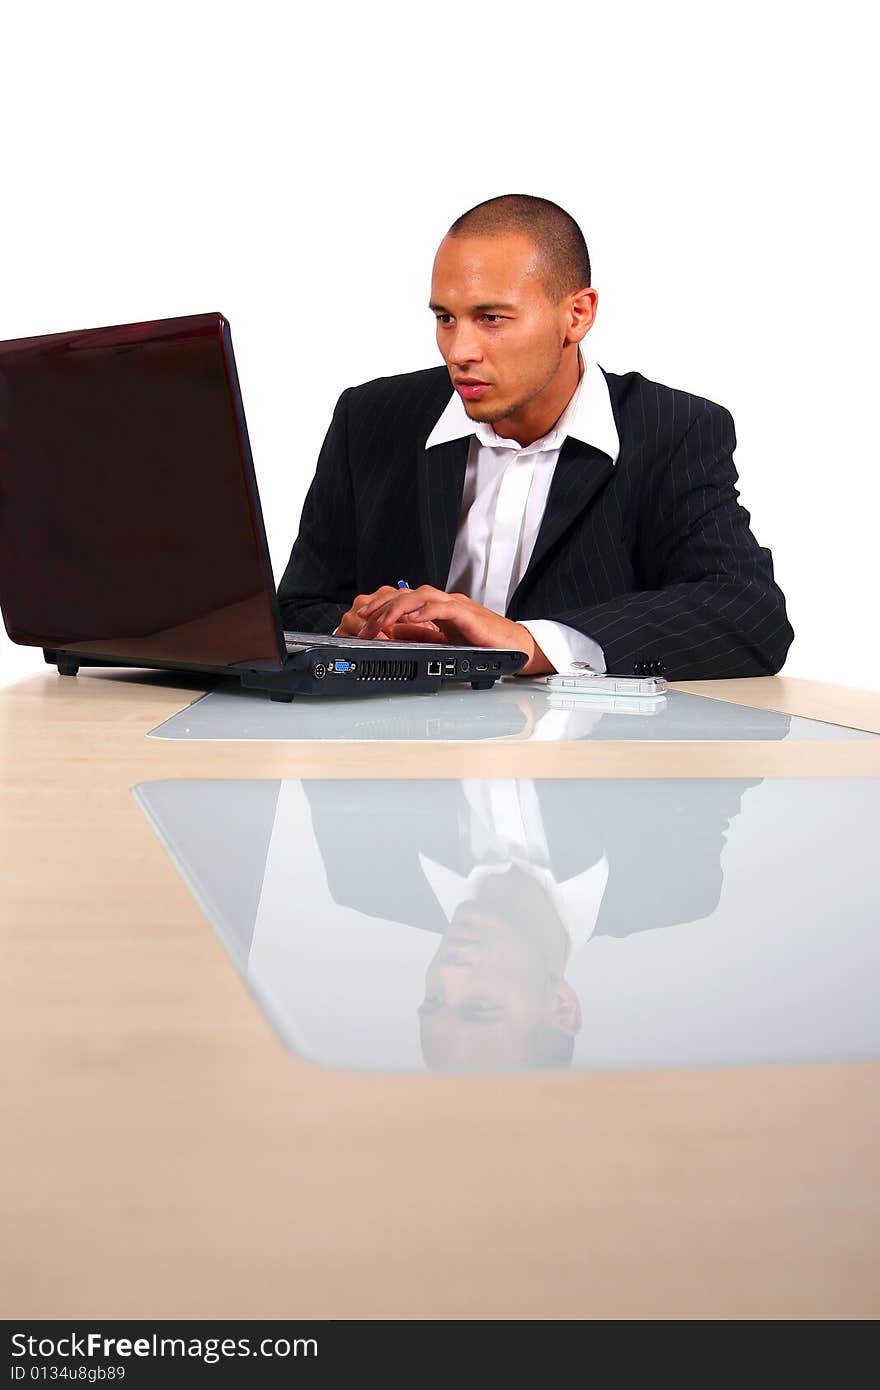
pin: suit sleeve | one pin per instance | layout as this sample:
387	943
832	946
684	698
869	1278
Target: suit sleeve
319	583
710	607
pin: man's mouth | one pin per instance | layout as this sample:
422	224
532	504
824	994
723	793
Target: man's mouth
471	390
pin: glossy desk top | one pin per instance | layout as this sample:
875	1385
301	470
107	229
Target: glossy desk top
514	710
542	923
165	1155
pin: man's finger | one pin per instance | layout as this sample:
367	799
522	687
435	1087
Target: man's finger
424	591
416	632
406	607
350	624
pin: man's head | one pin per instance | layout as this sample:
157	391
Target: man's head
495	997
511	294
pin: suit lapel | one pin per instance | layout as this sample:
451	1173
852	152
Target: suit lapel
581	471
571	850
441	484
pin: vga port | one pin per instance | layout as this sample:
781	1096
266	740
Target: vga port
342	666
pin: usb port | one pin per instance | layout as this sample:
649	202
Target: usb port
435	668
449	668
482	666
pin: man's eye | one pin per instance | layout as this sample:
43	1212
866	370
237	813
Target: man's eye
445	319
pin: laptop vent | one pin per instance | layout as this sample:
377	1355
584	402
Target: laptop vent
388	670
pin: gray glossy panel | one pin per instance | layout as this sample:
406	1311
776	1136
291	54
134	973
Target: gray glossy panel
599	924
515	711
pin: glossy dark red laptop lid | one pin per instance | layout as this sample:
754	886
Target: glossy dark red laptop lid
130	523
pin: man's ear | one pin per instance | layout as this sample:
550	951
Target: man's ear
582	315
565	1009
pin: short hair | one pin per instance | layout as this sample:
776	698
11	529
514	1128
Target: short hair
562	250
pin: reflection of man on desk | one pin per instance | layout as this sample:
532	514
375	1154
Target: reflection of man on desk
515	876
333	916
529	499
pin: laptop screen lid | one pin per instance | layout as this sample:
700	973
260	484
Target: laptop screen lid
130	522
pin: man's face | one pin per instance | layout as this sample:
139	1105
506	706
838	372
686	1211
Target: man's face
486	991
496	323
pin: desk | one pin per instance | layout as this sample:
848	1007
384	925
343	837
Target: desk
165	1157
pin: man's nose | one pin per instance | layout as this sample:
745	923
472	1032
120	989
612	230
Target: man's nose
463	348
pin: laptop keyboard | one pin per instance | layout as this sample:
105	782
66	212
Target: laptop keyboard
300	641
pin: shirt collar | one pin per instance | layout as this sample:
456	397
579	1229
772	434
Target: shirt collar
576	901
587	417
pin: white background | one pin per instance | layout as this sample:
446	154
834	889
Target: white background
296	166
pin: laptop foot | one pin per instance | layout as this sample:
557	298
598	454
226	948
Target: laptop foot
68	668
281	695
482	685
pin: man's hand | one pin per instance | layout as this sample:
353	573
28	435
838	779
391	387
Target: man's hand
401	613
351	623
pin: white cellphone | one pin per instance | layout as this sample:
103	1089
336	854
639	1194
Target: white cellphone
644	705
589	684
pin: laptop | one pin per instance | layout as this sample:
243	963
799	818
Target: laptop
131	532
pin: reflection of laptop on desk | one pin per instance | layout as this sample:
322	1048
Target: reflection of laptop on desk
131	532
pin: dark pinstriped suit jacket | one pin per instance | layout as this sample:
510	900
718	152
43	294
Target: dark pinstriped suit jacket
652	557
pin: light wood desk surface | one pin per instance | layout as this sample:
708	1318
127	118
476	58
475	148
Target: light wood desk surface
163	1156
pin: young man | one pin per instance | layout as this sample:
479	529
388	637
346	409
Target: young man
529	499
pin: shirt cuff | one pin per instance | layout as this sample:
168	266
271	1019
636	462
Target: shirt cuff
562	645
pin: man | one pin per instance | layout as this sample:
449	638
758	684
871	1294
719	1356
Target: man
543	504
514	877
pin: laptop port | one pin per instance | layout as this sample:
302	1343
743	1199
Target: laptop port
481	666
320	671
342	666
449	668
435	668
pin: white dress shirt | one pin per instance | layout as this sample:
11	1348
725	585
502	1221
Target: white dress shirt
505	824
506	488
